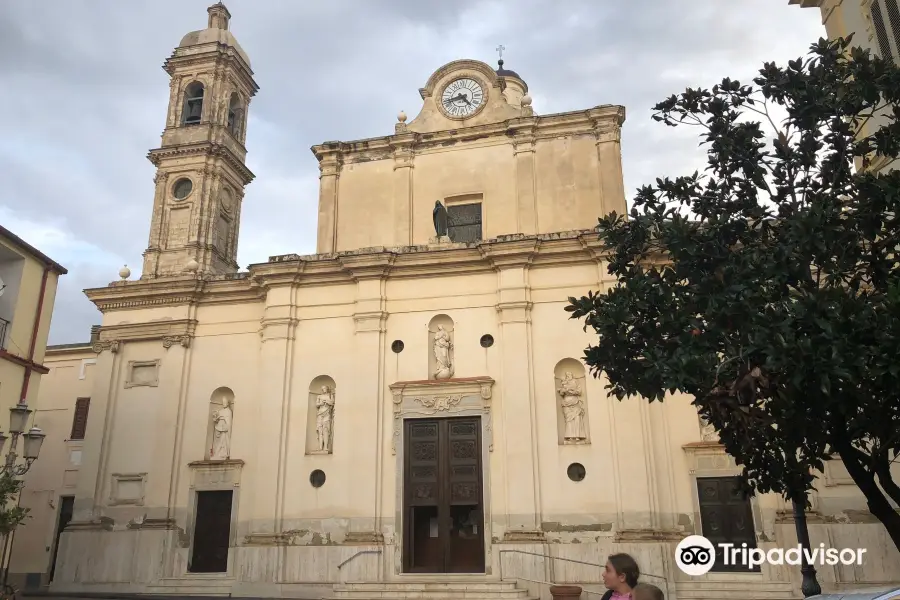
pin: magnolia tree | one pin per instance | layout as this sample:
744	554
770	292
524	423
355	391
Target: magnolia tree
11	516
768	288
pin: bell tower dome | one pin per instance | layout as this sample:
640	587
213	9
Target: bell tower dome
200	170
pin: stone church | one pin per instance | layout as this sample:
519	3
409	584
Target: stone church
404	412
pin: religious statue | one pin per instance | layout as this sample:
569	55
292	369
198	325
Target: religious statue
442	346
324	418
708	431
439	216
221	443
573	409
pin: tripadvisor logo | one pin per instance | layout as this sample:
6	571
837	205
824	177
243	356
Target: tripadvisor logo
695	555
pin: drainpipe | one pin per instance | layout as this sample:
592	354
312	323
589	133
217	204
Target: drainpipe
34	333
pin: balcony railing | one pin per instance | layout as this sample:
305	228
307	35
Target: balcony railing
4	325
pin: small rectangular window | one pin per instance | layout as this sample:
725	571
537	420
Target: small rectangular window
464	222
79	422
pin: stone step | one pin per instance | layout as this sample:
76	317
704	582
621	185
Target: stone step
448	589
427	585
432	594
745	590
192	586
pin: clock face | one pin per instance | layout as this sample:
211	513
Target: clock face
462	98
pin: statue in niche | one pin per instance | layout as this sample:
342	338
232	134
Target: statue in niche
324	418
221	445
573	409
442	347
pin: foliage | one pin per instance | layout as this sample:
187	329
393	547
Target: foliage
15	515
775	301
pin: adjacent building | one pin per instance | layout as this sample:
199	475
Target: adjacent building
875	26
28	281
405	410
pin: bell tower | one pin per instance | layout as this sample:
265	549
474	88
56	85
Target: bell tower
200	171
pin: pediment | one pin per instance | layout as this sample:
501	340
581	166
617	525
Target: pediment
494	109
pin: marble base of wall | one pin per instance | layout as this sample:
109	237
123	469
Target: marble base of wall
154	560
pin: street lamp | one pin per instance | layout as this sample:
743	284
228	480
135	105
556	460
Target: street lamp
809	585
31	448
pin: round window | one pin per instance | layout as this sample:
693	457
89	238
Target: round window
317	478
576	472
397	346
182	188
487	340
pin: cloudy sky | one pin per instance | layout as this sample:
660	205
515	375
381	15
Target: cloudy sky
83	97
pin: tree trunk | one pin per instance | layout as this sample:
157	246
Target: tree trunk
883	469
865	480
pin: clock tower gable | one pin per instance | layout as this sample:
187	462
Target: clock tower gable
468	93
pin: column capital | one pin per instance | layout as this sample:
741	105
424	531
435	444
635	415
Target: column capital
331	158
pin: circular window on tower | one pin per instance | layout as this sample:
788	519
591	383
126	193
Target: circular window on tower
182	188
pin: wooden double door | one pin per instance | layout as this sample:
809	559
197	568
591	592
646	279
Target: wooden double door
443	499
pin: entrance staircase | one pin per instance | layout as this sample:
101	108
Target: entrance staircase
430	590
717	590
192	586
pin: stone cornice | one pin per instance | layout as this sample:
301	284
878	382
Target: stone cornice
202	148
170	332
218	53
512	251
603	120
173	291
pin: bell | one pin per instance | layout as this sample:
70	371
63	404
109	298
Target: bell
194	110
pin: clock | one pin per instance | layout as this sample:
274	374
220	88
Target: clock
462	98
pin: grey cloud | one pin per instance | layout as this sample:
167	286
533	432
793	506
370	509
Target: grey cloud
83	97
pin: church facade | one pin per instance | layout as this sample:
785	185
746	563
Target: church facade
408	404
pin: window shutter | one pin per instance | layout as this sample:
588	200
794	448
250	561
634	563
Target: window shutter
894	18
79	422
884	43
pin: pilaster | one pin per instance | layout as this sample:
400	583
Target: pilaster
519	414
277	332
370	317
524	150
608	131
89	488
329	156
404	159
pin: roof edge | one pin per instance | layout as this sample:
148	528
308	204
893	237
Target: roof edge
49	262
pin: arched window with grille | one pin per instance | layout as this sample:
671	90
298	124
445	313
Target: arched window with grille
193	104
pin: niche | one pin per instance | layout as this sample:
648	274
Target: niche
571	402
220	422
441	350
320	416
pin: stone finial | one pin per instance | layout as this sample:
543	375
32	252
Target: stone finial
527	109
192	266
218	16
124	273
400	125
